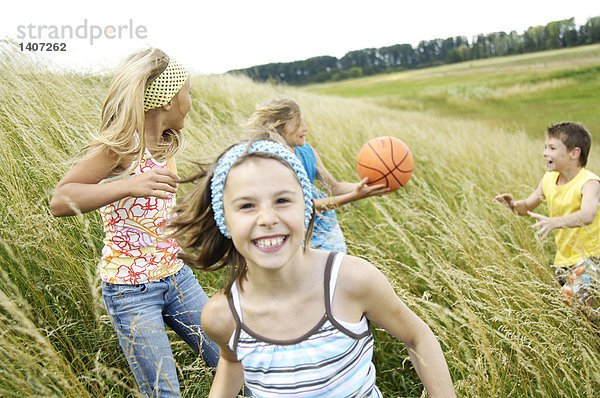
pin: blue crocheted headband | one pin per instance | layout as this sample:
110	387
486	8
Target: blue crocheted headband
264	146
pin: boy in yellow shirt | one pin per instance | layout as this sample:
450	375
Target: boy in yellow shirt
572	196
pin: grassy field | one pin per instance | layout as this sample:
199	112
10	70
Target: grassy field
470	268
523	92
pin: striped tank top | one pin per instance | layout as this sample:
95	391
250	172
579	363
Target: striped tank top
333	359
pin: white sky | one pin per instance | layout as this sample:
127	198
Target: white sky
218	35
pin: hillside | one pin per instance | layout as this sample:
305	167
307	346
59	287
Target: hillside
370	61
523	92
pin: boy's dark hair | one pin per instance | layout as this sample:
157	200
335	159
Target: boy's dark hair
573	135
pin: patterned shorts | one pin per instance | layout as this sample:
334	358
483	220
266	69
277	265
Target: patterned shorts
581	282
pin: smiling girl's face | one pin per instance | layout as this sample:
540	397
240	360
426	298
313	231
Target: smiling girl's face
295	132
264	211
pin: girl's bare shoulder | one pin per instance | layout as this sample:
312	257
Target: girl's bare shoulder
358	276
217	320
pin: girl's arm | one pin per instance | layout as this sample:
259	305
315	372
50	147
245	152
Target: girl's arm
523	206
79	190
584	216
219	325
343	192
228	379
365	290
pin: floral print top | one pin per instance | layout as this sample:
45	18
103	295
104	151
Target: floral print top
135	248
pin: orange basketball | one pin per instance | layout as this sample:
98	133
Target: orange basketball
386	160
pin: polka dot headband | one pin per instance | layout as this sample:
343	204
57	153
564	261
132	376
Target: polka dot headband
165	86
264	146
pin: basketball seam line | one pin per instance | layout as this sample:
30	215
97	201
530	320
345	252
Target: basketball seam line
386	166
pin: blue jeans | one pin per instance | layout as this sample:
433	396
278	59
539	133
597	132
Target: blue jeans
139	314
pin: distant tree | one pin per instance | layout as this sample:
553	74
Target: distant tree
573	38
317	64
481	49
454	56
570	35
367	57
556	33
516	43
534	39
398	55
429	51
355	71
465	52
339	75
590	32
321	77
498	44
368	61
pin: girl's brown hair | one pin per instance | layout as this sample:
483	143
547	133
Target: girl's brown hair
194	227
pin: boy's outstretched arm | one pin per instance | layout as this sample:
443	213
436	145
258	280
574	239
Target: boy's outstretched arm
524	205
584	216
367	287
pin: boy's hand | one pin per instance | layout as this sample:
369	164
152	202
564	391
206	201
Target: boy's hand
545	224
506	199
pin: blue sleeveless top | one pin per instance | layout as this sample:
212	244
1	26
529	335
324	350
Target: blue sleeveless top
333	359
327	234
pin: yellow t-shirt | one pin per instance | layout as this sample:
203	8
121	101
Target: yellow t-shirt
572	244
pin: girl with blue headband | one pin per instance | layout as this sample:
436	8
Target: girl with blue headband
291	321
129	173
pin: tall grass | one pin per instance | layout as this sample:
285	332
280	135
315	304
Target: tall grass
470	268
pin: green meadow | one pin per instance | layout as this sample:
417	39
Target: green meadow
524	92
475	272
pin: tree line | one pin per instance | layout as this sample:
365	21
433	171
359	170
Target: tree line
369	61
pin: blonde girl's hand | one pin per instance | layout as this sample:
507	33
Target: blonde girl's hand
544	224
362	190
158	182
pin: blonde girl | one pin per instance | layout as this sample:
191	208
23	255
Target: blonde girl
291	321
284	117
129	173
